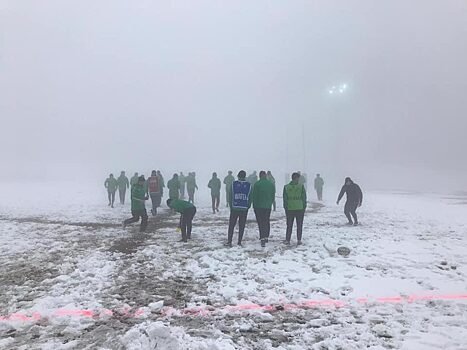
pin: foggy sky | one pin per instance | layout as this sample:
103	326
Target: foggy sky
92	87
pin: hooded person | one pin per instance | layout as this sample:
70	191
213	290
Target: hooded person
294	199
138	209
239	206
263	195
228	181
111	185
174	187
187	211
153	189
354	200
123	184
215	186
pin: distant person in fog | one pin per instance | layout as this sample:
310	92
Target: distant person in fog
319	183
354	200
111	185
123	184
215	186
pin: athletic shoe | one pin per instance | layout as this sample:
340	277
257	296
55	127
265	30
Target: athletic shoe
228	244
299	243
263	243
286	242
183	240
355	224
350	223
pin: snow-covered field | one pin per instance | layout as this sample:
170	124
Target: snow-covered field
72	278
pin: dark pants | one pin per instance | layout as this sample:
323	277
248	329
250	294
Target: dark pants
228	198
136	215
319	192
111	195
351	209
191	195
263	217
121	195
291	216
241	216
156	199
215	202
186	221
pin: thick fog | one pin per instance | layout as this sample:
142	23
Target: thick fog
93	87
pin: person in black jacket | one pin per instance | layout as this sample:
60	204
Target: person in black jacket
354	200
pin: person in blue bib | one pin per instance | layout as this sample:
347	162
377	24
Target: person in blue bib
240	203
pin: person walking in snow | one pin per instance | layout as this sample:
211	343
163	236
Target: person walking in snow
354	200
319	183
191	186
239	206
153	189
263	195
271	178
252	178
174	187
111	185
182	180
138	209
123	184
134	180
215	186
161	182
187	211
228	181
294	198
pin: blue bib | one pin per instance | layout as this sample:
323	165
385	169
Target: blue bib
240	194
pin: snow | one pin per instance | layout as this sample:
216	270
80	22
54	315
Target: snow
75	279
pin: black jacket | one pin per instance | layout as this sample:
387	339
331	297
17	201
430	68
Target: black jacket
354	193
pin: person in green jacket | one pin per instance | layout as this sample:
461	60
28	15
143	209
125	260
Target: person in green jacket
228	181
182	180
263	195
123	184
294	197
138	209
174	187
111	185
134	180
273	180
215	186
191	186
188	211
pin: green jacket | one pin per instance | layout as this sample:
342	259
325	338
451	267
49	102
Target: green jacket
263	194
111	184
228	181
138	194
294	196
180	205
191	182
123	182
215	186
174	188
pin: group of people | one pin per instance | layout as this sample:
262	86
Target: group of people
241	194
